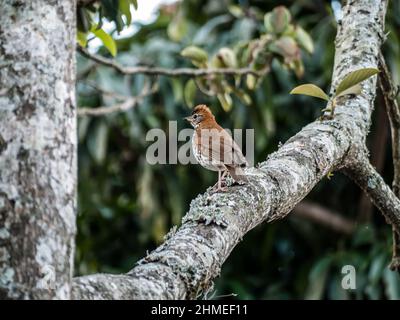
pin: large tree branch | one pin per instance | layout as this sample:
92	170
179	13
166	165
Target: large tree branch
191	257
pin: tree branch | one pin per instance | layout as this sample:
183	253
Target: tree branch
126	105
388	90
185	265
168	72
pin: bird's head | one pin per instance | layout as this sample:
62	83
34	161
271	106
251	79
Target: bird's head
200	114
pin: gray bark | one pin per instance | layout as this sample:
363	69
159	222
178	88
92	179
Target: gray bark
37	148
185	265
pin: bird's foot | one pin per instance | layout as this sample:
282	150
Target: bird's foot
219	189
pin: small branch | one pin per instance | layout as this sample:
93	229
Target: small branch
167	72
393	111
388	90
126	105
377	154
324	216
368	179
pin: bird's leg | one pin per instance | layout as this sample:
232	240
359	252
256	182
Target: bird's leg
224	175
218	186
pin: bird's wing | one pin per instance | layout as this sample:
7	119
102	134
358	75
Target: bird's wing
219	146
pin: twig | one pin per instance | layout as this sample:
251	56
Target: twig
105	92
378	155
167	72
128	104
324	216
388	90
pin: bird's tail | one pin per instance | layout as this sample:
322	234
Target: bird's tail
237	174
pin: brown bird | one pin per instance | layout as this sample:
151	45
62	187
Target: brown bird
214	148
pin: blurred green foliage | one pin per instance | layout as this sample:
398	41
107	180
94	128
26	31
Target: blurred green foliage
126	206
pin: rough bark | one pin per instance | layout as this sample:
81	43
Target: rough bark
37	148
191	257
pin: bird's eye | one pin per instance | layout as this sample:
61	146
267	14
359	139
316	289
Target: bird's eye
195	116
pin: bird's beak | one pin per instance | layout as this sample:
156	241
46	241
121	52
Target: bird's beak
190	118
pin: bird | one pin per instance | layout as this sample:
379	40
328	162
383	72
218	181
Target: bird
214	148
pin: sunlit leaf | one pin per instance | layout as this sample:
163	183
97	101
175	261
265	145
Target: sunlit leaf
125	8
178	27
196	54
227	57
135	4
82	38
310	89
226	101
235	10
106	39
304	39
354	78
352	90
251	81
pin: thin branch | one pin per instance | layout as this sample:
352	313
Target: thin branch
365	175
324	216
126	105
388	90
378	153
167	72
106	92
392	108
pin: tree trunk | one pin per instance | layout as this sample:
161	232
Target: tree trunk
37	148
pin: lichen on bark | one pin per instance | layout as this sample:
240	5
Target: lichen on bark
37	148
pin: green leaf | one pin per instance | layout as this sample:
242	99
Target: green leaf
97	142
310	89
352	90
226	101
178	27
287	48
304	39
107	40
227	58
243	96
251	81
198	56
317	278
135	4
278	20
82	38
392	284
235	10
354	78
190	92
125	8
